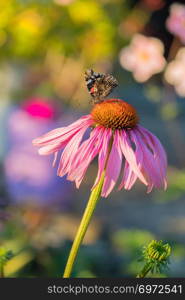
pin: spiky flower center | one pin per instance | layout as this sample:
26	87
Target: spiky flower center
115	114
157	251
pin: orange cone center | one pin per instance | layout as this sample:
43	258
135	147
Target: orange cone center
115	114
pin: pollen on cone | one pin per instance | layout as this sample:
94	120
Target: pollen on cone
115	114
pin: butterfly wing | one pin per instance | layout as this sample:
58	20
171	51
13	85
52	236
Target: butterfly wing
99	85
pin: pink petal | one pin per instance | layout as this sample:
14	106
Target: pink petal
113	166
149	163
62	133
82	168
157	147
129	182
135	162
158	151
103	154
59	143
86	153
49	149
70	152
129	178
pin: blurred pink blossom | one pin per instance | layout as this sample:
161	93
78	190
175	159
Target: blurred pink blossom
28	177
176	21
175	72
34	113
144	57
39	108
64	2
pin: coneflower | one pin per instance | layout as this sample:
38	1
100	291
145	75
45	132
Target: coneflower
116	138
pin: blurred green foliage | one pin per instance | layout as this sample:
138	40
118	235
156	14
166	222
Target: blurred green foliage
5	256
31	29
117	255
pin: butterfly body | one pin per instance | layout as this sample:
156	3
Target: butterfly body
99	85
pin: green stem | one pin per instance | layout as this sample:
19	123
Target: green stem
94	197
144	271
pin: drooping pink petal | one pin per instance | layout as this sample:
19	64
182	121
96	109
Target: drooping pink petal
148	166
149	163
51	136
158	151
113	166
49	149
57	143
103	154
86	153
62	133
84	164
82	155
134	161
70	152
157	147
129	178
126	171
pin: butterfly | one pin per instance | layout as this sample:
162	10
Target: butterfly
99	85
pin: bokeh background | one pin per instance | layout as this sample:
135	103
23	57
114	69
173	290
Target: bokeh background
45	47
